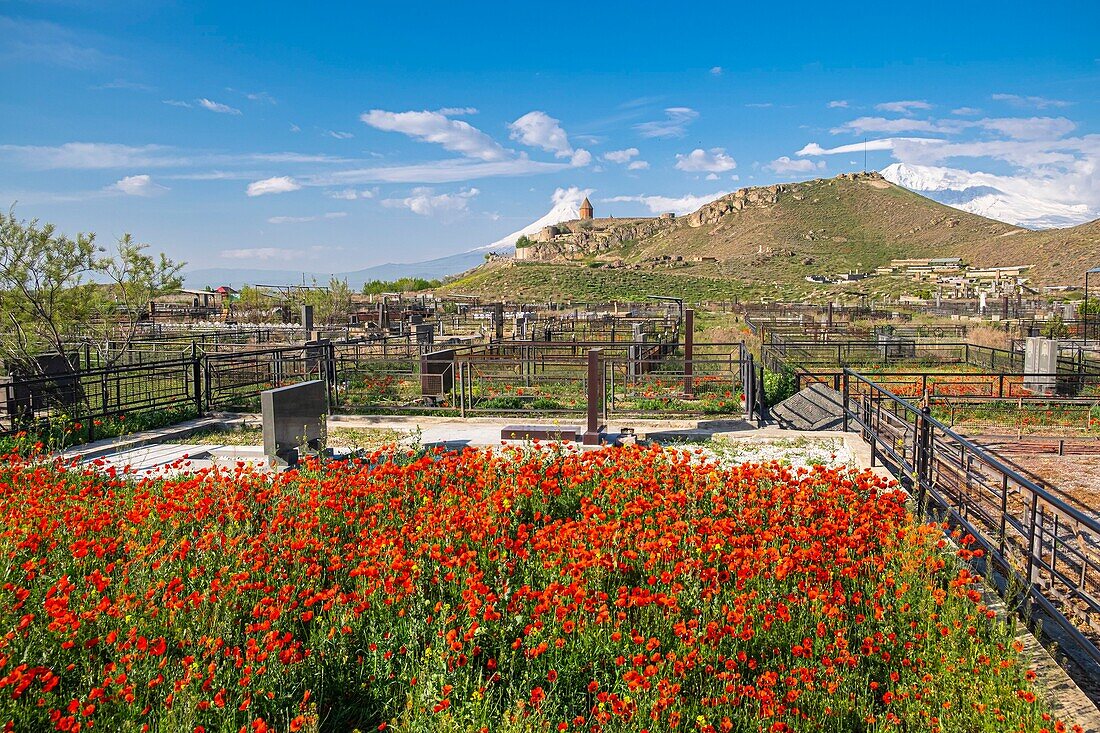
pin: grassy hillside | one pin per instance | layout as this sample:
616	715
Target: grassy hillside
768	240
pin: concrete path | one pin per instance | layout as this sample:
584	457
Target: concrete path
149	452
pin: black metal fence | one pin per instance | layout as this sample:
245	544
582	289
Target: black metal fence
501	378
1033	541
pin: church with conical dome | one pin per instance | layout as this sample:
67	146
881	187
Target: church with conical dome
586	209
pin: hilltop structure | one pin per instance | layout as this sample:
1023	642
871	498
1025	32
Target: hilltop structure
586	210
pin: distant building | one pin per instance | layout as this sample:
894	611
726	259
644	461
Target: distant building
586	209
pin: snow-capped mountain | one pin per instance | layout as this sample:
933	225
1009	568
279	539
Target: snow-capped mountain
1021	201
566	207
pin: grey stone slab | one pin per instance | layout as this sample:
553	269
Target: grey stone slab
293	416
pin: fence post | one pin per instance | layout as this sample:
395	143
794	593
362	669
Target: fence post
689	352
923	462
461	390
196	378
761	398
844	397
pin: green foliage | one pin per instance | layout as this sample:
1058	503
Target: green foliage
62	431
778	386
57	291
1055	328
523	241
401	285
519	402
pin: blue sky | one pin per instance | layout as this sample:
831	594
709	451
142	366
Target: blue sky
304	136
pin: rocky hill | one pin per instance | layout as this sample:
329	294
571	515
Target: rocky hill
767	240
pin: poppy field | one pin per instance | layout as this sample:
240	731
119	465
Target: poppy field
518	589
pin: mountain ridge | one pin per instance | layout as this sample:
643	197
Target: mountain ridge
766	241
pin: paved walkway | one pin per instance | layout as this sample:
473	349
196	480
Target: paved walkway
150	452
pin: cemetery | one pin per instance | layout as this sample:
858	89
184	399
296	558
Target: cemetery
897	389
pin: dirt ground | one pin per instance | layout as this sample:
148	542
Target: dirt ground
1075	476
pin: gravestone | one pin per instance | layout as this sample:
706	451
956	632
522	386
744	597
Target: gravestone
307	319
53	383
293	416
1041	365
425	333
593	428
498	321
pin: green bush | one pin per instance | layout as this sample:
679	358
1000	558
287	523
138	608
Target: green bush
778	386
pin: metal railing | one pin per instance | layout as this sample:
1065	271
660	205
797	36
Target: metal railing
1032	539
641	378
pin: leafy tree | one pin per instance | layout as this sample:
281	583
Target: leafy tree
401	285
331	304
1056	328
523	241
58	292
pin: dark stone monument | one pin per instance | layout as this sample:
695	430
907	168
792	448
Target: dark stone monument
498	321
689	353
53	383
293	417
594	430
307	319
425	333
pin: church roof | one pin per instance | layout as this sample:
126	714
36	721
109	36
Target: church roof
586	204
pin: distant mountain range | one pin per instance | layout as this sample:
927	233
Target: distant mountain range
772	241
429	269
1011	200
880	218
566	207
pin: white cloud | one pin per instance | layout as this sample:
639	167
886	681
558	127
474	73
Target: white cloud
454	135
123	84
457	111
621	156
1031	128
760	105
712	177
440	171
41	42
903	107
260	253
638	165
966	111
278	184
141	185
351	194
539	130
302	219
838	104
870	145
177	103
581	158
218	107
784	164
660	204
716	70
89	156
702	161
674	125
294	128
425	202
339	135
862	125
263	97
1021	101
